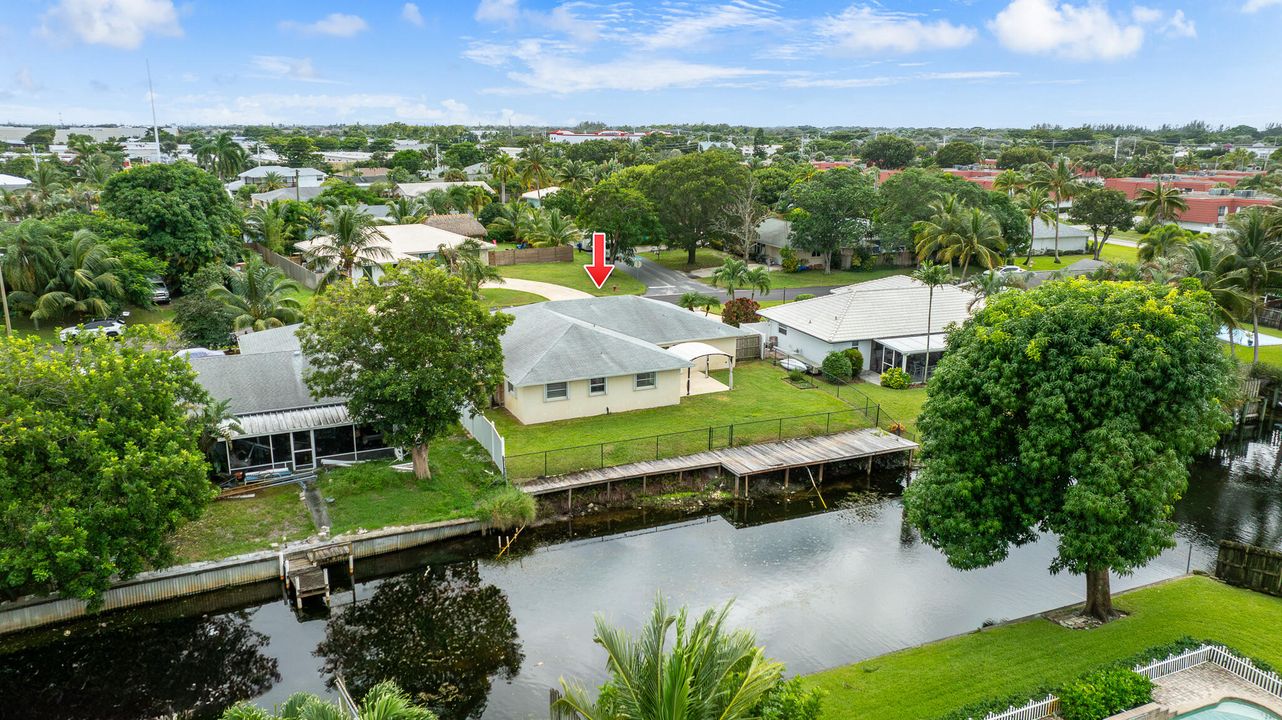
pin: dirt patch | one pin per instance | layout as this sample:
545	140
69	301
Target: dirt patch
1074	619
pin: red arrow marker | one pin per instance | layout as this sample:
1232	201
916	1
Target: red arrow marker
598	270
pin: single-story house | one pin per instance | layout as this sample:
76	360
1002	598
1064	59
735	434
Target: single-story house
1071	239
263	199
464	224
13	182
578	358
281	424
414	189
367	174
536	197
884	318
409	242
772	237
302	177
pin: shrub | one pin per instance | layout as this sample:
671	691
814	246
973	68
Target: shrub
1103	693
789	700
740	310
796	375
856	360
788	259
896	379
804	296
837	365
507	508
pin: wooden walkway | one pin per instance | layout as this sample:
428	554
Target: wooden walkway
740	461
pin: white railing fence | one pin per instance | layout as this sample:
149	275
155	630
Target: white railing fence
1268	681
484	432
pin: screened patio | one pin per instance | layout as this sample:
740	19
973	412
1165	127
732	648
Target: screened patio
907	354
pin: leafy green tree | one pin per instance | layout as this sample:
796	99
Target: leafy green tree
888	152
774	180
40	137
408	353
958	152
385	701
690	193
203	321
624	214
187	217
1074	409
75	515
1104	211
904	200
831	211
1018	156
461	155
297	151
259	297
411	161
709	672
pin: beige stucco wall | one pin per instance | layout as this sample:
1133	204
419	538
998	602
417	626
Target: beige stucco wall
528	406
719	362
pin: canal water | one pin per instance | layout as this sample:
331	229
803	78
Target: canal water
822	583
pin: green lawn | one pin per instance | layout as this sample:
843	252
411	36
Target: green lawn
502	297
373	495
1110	253
236	526
676	259
817	278
573	275
1269	354
902	405
760	392
924	682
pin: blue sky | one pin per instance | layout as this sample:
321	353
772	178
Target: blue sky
934	63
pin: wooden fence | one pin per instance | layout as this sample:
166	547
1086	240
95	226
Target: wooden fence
1251	567
560	253
292	270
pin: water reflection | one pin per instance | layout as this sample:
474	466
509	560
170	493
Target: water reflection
441	633
1236	492
200	665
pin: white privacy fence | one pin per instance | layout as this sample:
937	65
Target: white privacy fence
1268	681
486	434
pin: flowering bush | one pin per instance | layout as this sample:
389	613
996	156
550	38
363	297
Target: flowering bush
896	379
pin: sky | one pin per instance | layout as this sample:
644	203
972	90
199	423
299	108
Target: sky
938	63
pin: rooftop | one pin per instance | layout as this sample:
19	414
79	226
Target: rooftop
411	241
414	189
262	170
646	319
289	193
257	382
774	232
461	223
893	306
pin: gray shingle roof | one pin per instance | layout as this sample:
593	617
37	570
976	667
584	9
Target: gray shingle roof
774	232
543	346
650	320
257	382
1043	229
274	340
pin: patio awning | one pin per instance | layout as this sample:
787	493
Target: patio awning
691	350
914	344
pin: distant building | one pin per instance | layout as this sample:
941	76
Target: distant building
13	182
407	242
568	136
536	197
1071	239
291	177
264	199
414	189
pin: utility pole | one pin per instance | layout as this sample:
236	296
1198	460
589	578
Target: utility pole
1117	145
297	192
155	128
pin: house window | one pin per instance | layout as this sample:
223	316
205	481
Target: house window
783	330
510	387
645	381
596	386
556	391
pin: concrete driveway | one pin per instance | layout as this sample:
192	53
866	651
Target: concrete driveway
551	291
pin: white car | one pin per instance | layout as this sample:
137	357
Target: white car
111	328
1011	270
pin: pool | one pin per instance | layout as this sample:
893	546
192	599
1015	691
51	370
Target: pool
1232	710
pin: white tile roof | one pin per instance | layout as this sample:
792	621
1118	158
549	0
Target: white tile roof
262	170
411	241
414	189
893	306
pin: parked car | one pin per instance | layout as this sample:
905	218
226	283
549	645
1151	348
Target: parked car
111	327
197	352
159	291
1011	270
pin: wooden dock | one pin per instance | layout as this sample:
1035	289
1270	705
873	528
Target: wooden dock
741	462
304	572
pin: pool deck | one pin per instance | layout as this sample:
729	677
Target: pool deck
1198	687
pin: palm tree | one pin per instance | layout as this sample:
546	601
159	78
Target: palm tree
941	230
221	155
1160	203
259	297
272	180
384	701
404	211
732	275
692	300
84	281
980	238
1036	205
351	238
710	671
1259	256
931	275
460	197
1061	181
552	229
503	170
534	169
575	175
1162	241
437	200
477	198
1010	182
985	285
47	181
521	219
758	279
464	262
1214	265
270	226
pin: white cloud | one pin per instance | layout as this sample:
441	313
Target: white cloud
841	83
24	80
683	28
1258	5
115	23
1078	32
411	15
865	30
288	68
500	11
1180	26
335	24
968	75
1144	14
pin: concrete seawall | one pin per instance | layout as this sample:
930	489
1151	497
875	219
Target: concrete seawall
187	580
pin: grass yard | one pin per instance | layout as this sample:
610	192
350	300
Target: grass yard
1110	253
573	275
676	259
1269	354
817	278
760	392
902	405
233	527
924	682
502	297
373	495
